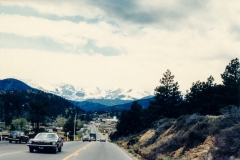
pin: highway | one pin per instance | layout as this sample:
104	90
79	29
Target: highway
93	129
72	150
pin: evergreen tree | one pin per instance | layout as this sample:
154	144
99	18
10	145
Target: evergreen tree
123	124
130	121
167	95
151	114
203	98
38	112
135	121
231	83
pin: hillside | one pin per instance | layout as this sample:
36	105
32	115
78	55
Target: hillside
34	105
13	84
191	137
96	104
144	102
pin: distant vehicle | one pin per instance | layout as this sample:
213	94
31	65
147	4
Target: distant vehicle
93	136
86	138
17	136
102	139
46	141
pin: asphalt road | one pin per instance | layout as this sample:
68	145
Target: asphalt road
95	130
70	151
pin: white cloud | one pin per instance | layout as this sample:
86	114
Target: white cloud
60	8
63	32
80	70
128	71
195	44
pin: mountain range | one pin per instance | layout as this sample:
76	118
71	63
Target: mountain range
91	98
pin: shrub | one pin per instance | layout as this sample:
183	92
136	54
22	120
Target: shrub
230	110
132	141
194	138
227	143
192	119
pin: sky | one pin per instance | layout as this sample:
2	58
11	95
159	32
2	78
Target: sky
118	44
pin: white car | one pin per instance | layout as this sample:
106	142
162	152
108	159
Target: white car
102	139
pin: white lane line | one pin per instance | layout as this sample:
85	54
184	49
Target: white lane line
11	153
122	151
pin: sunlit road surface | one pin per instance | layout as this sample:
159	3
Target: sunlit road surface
70	151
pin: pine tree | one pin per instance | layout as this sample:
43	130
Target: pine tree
135	120
38	112
167	95
123	124
203	98
130	121
231	83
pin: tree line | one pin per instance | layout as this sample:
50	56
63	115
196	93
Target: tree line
205	98
35	106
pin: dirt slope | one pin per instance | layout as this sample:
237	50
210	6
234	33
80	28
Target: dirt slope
191	137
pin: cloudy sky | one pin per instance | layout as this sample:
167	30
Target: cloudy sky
111	44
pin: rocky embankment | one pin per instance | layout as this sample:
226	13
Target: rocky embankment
191	137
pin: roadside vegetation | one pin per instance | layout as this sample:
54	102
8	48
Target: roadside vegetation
106	129
203	123
30	110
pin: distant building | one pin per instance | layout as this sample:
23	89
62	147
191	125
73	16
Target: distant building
53	129
49	129
59	129
114	120
103	115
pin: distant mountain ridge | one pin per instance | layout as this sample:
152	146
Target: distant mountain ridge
94	98
96	94
86	98
13	84
90	106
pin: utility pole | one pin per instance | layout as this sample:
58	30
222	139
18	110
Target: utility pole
74	127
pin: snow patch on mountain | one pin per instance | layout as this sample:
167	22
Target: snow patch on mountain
81	94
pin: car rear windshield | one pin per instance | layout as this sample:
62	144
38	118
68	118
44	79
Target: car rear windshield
45	136
14	132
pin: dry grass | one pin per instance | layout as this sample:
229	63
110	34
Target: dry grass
188	137
201	151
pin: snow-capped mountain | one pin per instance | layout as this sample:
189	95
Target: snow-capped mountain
81	94
91	98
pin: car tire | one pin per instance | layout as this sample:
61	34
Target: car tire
31	149
15	141
10	141
20	141
60	149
